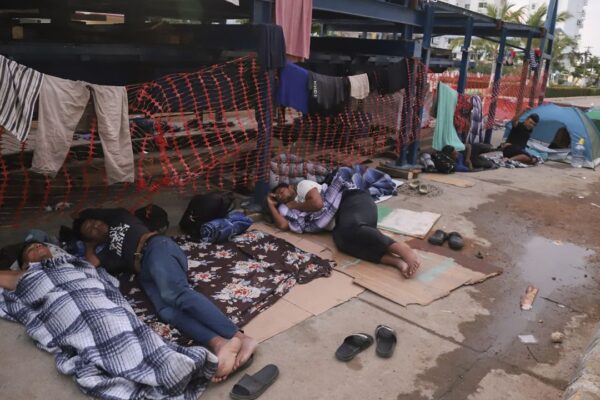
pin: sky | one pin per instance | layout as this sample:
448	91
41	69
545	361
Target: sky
590	33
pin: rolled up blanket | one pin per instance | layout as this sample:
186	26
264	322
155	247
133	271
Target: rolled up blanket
223	229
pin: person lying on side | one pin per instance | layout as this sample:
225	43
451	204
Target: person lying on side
76	312
126	245
352	216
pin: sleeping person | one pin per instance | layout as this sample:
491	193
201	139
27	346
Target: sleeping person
77	313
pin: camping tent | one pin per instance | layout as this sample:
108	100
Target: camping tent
553	117
594	115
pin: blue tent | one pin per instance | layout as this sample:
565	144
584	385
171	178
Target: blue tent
553	117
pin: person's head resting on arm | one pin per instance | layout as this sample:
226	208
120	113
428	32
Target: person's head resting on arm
283	193
33	252
90	230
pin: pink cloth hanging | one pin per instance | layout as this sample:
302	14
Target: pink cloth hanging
295	18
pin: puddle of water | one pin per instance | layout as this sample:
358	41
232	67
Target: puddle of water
541	261
549	264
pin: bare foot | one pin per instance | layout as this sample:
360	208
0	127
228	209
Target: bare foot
249	345
226	351
397	262
413	263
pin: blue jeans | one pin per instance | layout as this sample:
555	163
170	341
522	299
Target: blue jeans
164	280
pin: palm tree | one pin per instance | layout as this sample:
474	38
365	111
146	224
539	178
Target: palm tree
506	11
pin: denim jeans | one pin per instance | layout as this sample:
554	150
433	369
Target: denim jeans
164	280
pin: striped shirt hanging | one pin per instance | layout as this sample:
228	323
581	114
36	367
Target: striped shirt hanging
19	91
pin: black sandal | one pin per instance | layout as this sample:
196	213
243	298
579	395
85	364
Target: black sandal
455	241
386	341
353	345
250	387
438	238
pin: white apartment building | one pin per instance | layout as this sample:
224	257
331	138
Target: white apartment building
576	8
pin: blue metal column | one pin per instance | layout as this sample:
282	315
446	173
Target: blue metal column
464	62
262	14
402	160
495	87
547	45
413	148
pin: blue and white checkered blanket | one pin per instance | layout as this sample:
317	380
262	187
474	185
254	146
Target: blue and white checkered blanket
77	313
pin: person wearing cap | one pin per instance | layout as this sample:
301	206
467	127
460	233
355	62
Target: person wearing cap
516	143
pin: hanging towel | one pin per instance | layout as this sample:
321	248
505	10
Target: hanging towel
359	86
292	90
62	103
19	90
476	132
445	133
223	229
295	17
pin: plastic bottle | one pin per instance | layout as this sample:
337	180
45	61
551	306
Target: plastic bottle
578	154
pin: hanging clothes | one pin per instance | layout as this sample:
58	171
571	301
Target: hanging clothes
61	105
445	133
476	131
359	86
292	90
295	17
271	46
327	95
390	78
462	116
19	91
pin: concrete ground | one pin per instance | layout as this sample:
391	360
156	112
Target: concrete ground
540	224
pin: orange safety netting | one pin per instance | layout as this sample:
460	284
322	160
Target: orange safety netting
507	92
205	130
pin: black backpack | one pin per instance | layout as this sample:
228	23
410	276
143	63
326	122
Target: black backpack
443	162
204	208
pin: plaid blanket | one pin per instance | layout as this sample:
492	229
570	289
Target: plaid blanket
77	313
301	221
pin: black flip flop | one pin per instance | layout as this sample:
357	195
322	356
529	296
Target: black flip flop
386	341
353	345
455	241
250	387
438	238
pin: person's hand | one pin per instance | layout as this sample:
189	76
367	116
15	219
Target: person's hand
272	199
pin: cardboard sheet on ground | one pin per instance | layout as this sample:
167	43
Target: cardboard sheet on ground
303	301
449	180
406	222
437	277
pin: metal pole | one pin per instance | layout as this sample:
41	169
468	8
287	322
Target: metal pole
547	46
495	88
464	62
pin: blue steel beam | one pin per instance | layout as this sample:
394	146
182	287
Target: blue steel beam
378	10
464	62
495	88
547	45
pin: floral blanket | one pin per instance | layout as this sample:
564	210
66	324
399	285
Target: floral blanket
242	277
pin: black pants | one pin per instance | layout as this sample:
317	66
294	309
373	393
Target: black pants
356	230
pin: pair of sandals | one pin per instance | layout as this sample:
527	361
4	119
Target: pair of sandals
356	343
250	387
418	186
455	240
